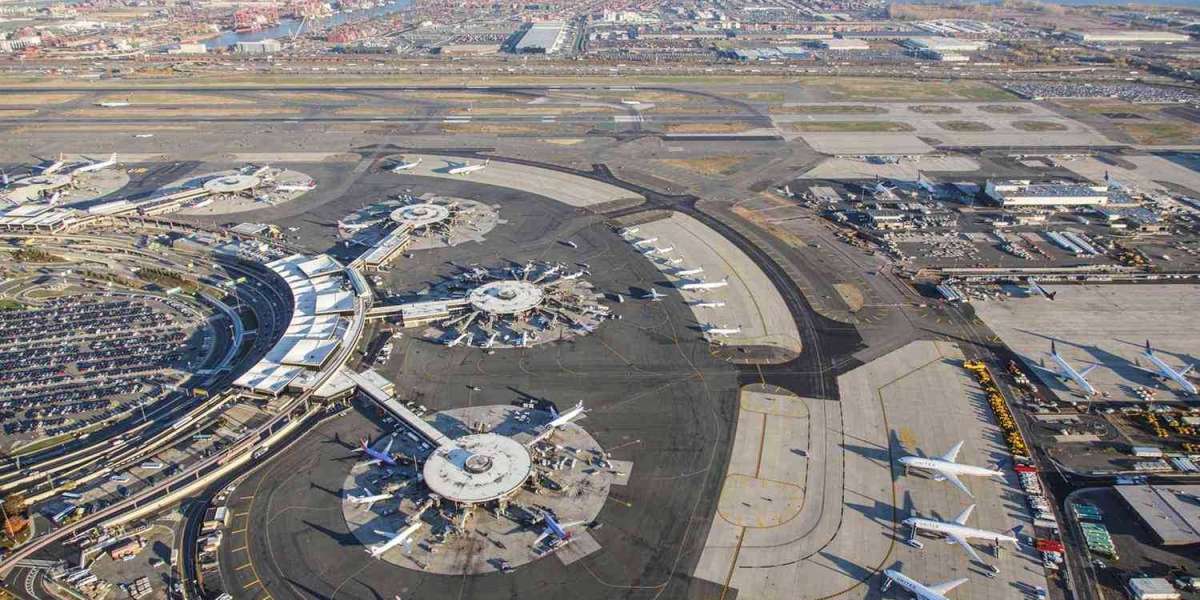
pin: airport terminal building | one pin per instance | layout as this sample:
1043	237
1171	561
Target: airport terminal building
1017	193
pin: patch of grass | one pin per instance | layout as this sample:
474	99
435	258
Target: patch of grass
829	109
174	99
866	88
10	304
1162	132
964	126
1004	109
708	165
934	109
1039	126
35	99
849	126
33	255
732	127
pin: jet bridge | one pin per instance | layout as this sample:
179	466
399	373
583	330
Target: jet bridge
397	410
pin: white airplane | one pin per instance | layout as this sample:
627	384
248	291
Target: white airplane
918	589
567	417
1065	372
491	340
302	187
458	340
957	532
674	261
721	331
665	250
405	166
654	296
570	243
394	539
630	231
469	168
96	166
703	286
143	135
686	272
1036	288
4	181
946	469
1165	371
54	166
368	499
112	104
709	304
645	241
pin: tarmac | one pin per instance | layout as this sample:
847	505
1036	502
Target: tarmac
1106	326
846	529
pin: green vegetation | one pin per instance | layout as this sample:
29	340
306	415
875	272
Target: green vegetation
934	109
849	126
168	280
10	304
900	90
33	255
1038	126
964	126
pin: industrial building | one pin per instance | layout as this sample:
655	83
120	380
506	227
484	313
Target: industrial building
1126	37
267	46
842	44
1025	193
943	44
1152	588
1171	512
543	38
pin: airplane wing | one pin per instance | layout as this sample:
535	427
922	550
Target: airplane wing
1184	372
1084	372
961	541
942	588
388	448
952	454
952	478
962	517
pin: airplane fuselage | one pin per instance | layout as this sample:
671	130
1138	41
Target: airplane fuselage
1066	371
934	464
918	589
955	529
1167	372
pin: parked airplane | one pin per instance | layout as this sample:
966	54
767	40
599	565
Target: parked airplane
53	167
4	181
1065	372
468	168
378	457
957	532
555	531
630	231
302	187
458	340
709	304
567	417
368	499
686	272
96	166
946	469
1165	371
918	589
405	166
645	241
654	296
721	331
1036	288
394	539
703	286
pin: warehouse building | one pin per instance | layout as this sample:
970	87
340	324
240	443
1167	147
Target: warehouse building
842	44
1128	37
1171	512
267	46
543	38
943	44
1016	193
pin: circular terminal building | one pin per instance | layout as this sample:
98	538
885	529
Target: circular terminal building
478	468
232	184
507	297
421	216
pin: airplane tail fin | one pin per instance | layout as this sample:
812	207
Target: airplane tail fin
1051	295
1016	530
1148	349
1053	349
962	517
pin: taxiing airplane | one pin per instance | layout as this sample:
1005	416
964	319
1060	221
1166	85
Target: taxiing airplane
394	539
368	499
686	272
653	295
945	468
1162	369
721	331
1065	372
469	168
301	187
918	589
1036	288
704	286
377	456
957	532
96	166
717	304
405	166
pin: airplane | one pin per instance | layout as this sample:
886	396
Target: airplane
555	531
96	166
1065	372
645	241
702	286
946	469
302	187
686	272
918	589
112	104
1165	371
674	261
630	231
4	181
957	532
721	331
378	457
53	166
55	197
143	135
458	340
469	168
1036	288
491	340
404	166
567	417
666	250
709	305
369	499
570	243
654	296
394	539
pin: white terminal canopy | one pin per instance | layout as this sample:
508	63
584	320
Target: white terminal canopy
506	297
478	468
421	215
231	184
